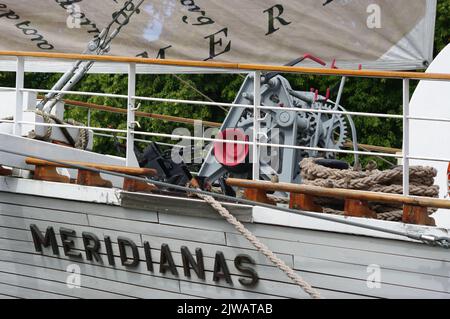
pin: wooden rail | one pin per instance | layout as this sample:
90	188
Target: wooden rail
356	202
234	66
374	148
45	170
163	117
341	193
177	119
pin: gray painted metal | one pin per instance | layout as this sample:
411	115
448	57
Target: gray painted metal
335	263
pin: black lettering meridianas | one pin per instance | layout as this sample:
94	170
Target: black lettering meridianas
129	262
68	244
148	256
91	246
239	262
166	261
109	251
188	262
221	268
49	239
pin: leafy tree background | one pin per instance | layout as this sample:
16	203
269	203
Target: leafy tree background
364	95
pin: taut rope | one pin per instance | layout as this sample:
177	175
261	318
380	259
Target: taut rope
260	246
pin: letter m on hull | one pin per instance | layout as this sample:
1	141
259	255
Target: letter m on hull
49	239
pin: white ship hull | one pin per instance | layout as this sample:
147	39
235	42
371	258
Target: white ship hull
344	263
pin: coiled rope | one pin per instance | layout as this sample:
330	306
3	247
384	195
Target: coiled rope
260	246
83	134
387	181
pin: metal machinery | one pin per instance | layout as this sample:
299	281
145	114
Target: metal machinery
51	107
282	126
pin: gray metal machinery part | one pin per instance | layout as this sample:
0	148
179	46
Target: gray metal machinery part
294	128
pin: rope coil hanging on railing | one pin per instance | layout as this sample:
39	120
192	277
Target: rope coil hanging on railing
83	133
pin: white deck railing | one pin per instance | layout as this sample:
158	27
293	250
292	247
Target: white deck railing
255	70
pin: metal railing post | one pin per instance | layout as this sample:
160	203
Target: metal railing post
131	112
20	73
406	137
89	118
256	126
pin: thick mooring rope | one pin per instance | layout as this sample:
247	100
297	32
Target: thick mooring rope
260	246
387	181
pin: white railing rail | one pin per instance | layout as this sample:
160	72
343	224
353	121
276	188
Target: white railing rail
255	72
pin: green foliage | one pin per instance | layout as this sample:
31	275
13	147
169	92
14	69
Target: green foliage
362	95
442	33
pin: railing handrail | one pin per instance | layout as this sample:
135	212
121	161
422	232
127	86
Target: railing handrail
252	69
234	66
340	193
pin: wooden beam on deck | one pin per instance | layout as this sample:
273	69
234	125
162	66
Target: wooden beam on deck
341	193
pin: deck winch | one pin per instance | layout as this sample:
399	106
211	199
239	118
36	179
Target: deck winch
281	126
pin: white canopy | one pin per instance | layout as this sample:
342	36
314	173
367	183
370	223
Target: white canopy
379	34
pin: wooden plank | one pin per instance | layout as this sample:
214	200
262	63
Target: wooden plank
50	174
219	224
304	202
388	276
164	286
155	280
358	208
53	190
43	214
162	117
216	292
24	244
273	274
182	206
183	233
137	280
340	193
210	249
417	215
266	286
79	207
365	258
94	283
15	234
53	286
106	167
89	178
348	73
121	59
5	297
364	243
24	224
29	293
225	65
257	195
227	293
